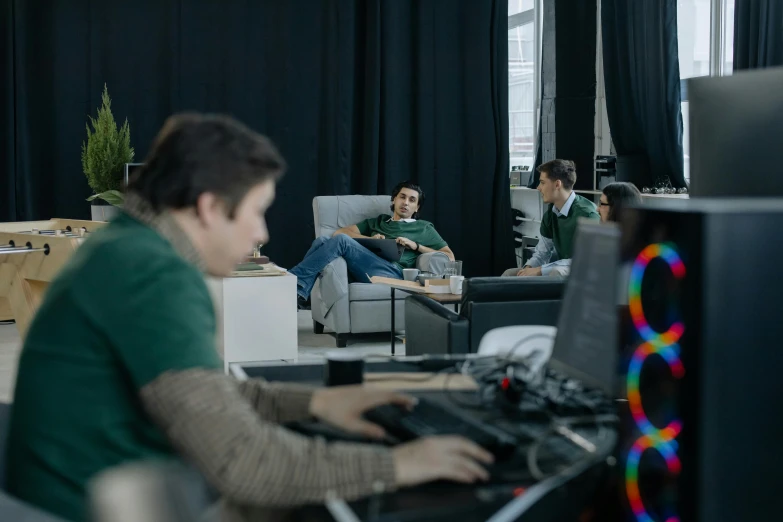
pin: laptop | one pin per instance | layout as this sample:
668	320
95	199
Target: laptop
387	249
585	346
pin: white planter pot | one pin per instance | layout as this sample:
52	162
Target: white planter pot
104	212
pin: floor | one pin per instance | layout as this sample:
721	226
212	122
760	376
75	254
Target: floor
312	347
9	353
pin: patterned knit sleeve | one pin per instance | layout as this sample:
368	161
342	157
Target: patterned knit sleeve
279	403
251	461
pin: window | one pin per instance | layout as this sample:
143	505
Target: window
519	6
693	37
521	94
522	78
728	37
705	42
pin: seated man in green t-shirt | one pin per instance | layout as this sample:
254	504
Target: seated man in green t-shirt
416	235
558	225
120	364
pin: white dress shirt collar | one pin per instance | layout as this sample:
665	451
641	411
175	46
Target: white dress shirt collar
566	207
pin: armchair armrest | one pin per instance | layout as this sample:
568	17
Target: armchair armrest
333	282
434	262
431	327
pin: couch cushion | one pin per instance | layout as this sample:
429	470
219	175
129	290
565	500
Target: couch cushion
333	212
368	292
375	316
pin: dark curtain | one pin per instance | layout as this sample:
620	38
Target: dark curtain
758	34
575	34
7	113
642	79
357	94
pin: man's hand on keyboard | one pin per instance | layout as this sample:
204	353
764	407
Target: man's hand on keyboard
446	457
343	406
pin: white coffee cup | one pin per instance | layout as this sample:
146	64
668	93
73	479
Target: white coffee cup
455	284
410	274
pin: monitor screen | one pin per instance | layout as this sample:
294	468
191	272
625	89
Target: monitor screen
736	130
586	343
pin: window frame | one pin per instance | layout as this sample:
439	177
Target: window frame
718	13
534	16
717	60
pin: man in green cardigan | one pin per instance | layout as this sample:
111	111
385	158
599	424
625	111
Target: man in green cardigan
558	225
120	364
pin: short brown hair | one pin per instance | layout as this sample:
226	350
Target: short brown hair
197	153
563	170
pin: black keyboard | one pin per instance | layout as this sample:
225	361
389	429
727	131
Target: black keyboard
429	418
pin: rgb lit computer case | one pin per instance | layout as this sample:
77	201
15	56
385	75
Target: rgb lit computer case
700	361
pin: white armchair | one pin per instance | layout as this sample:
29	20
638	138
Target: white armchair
350	307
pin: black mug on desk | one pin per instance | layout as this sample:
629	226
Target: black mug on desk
343	369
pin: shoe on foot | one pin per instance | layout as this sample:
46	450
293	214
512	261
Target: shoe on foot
302	303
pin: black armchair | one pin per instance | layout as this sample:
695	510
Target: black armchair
487	303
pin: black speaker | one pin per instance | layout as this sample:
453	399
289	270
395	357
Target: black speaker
701	361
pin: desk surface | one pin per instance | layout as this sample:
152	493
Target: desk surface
444	298
415	288
515	493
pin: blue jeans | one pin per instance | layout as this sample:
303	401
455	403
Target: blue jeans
361	262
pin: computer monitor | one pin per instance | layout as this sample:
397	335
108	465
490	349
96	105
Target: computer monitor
586	344
736	131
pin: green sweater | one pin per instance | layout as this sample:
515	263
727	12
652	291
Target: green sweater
561	229
125	309
419	231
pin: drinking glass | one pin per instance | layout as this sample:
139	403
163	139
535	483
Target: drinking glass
453	268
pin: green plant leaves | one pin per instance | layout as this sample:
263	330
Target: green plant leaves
113	197
105	152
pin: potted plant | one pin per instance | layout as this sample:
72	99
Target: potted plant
104	154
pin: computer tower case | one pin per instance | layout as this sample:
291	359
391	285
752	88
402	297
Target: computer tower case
701	361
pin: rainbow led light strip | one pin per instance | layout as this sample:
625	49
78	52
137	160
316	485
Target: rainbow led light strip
655	343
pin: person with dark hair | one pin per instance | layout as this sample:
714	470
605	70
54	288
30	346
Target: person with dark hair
120	363
558	224
615	197
416	235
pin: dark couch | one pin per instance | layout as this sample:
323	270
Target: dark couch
487	303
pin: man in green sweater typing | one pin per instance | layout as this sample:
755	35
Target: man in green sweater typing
559	222
416	235
120	364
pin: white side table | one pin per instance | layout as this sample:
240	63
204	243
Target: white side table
256	318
